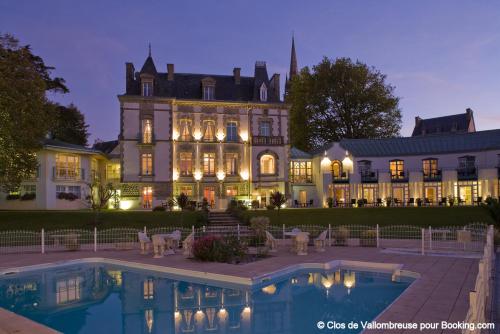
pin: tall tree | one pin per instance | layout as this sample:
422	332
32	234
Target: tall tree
341	99
25	114
69	125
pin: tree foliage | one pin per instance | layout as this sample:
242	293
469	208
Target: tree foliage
341	99
25	114
69	125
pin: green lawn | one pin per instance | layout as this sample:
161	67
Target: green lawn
36	220
50	220
438	216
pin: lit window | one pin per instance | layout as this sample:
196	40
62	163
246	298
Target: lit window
147	197
209	163
185	129
467	162
301	171
68	290
231	191
430	167
147	89
28	189
209	133
208	93
186	190
265	128
263	92
147	164
67	166
336	169
267	164
113	171
148	288
186	163
397	169
147	131
232	131
231	163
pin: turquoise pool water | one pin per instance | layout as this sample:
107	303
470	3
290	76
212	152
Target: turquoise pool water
97	298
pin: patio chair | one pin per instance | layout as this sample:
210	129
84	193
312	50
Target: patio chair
320	241
296	204
176	236
302	239
353	202
411	202
145	242
158	246
379	202
427	201
311	202
271	242
187	245
443	201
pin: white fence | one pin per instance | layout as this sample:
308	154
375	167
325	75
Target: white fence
470	238
480	296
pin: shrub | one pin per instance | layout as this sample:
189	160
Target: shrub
341	236
368	238
67	196
255	204
159	208
361	202
270	207
259	225
28	197
388	201
12	197
217	249
329	201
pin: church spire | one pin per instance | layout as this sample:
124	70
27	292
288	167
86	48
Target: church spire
293	61
149	49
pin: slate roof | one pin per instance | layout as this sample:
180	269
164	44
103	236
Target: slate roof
295	153
105	147
60	144
444	124
424	145
189	85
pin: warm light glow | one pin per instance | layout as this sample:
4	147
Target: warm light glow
220	135
244	136
294	280
327	281
221	175
198	175
349	280
325	162
197	135
270	289
177	314
175	175
199	312
283	205
126	204
222	311
175	135
244	175
347	164
247	309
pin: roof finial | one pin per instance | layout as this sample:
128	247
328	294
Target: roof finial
149	54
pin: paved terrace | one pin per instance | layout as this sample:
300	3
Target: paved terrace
441	294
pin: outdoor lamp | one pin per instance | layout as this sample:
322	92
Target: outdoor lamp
221	175
198	175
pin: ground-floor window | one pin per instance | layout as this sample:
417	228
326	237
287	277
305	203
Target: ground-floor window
432	193
369	193
62	190
303	197
209	194
231	191
340	195
68	290
400	194
466	192
28	189
147	197
186	190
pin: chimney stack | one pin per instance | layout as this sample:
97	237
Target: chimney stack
275	85
237	75
417	120
129	76
170	72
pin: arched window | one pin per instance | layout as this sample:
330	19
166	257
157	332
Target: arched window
263	92
267	164
336	169
147	131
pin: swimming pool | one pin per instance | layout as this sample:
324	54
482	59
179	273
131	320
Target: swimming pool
104	298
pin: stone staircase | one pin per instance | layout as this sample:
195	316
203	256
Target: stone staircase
223	223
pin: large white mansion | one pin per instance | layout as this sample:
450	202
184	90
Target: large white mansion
223	137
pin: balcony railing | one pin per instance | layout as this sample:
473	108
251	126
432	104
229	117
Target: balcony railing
342	178
464	174
432	176
401	176
301	179
369	177
267	140
68	174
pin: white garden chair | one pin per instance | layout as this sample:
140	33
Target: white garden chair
187	245
302	239
271	242
320	241
145	242
158	246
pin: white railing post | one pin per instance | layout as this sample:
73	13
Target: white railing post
203	229
192	229
145	230
423	241
43	241
329	234
283	232
95	239
378	237
430	238
238	231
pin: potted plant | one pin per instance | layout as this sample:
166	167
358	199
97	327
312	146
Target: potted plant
277	200
329	201
341	236
388	201
451	200
419	201
255	204
257	244
361	203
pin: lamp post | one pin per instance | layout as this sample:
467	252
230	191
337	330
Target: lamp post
198	176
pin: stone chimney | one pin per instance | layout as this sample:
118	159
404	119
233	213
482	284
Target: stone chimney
129	76
417	120
237	75
170	72
275	85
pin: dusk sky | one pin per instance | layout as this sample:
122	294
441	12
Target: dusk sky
442	56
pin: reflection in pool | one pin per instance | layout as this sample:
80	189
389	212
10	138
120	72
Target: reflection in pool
96	298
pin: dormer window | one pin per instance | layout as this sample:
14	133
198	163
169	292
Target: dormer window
263	92
208	88
147	88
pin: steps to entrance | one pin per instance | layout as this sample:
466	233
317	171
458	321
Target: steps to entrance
223	223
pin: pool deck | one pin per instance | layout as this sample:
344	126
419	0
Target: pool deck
440	294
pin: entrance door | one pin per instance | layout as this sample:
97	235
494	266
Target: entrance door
339	195
147	197
431	194
368	195
466	194
303	198
209	194
398	194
